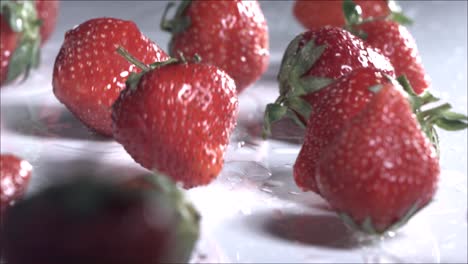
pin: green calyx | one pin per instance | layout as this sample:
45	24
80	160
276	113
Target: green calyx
296	62
367	226
134	78
22	18
179	23
187	217
353	16
439	116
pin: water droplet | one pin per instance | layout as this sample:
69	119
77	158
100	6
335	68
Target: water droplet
252	170
388	49
272	184
346	69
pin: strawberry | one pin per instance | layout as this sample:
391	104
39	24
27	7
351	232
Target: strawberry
47	11
20	42
14	178
177	118
333	106
89	74
231	35
312	61
88	221
396	43
319	13
397	172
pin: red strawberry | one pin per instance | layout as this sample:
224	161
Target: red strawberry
381	169
7	48
396	43
311	61
14	178
25	25
89	74
333	107
88	221
318	13
47	11
177	119
231	35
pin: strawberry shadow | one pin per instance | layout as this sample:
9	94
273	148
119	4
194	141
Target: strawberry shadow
46	121
321	230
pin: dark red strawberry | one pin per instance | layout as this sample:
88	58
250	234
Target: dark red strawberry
333	106
47	12
313	60
25	25
14	178
88	221
396	43
231	35
382	167
177	119
89	74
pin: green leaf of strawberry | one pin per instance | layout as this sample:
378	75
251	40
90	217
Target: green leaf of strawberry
440	116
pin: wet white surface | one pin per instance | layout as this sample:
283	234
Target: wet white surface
253	212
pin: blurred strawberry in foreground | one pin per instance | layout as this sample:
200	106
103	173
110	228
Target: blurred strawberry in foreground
177	118
231	35
88	221
89	74
313	60
15	174
25	25
332	108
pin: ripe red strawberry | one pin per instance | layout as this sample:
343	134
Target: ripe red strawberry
25	25
231	35
333	106
47	12
319	13
313	60
396	43
177	119
381	169
89	74
87	221
14	178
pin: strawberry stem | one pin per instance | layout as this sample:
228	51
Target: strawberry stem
130	58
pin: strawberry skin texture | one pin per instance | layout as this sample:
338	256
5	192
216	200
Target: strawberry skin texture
396	43
344	54
178	121
15	174
332	108
232	35
315	14
381	165
7	47
89	74
47	12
